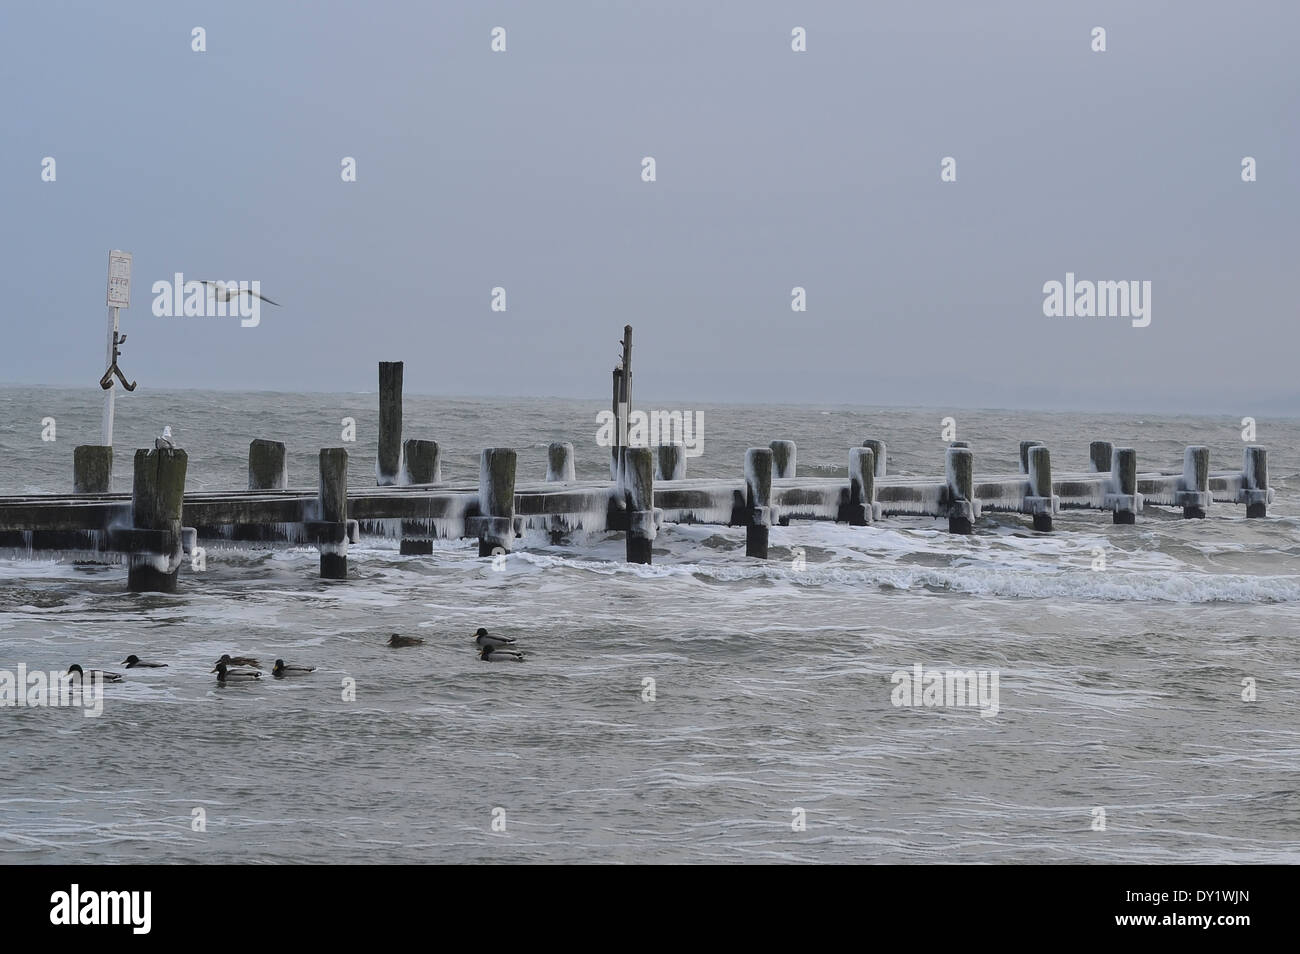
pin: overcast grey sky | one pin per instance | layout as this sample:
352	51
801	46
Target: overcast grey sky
522	169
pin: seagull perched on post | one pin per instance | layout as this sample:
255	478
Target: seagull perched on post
164	442
225	291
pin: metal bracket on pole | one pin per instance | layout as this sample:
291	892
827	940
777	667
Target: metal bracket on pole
106	381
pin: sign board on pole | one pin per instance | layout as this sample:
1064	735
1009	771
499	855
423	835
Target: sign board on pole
119	279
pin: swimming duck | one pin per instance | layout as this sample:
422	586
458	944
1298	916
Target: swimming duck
486	641
105	676
281	670
229	660
135	662
225	674
396	641
489	654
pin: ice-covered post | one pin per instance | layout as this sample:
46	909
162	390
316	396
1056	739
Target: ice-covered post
266	469
1040	501
1100	455
157	495
783	458
496	500
559	461
672	462
388	466
638	488
878	452
862	486
423	461
961	489
332	532
1125	502
758	500
615	449
1024	454
92	469
1255	480
1194	494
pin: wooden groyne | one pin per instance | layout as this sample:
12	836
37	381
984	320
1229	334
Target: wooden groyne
158	524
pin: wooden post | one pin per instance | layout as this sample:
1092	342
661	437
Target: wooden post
783	458
496	500
758	500
961	489
862	486
616	451
1195	495
559	462
672	462
1024	454
1124	480
1040	501
332	538
92	469
1101	455
878	451
624	397
1255	480
388	465
266	469
422	464
638	487
157	496
423	461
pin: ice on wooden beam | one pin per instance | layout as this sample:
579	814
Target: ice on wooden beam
92	469
1255	492
672	462
878	451
758	500
496	500
388	464
1040	501
962	507
638	488
1194	489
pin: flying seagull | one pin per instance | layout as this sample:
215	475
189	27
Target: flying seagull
165	441
225	292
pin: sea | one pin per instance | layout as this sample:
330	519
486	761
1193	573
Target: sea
707	708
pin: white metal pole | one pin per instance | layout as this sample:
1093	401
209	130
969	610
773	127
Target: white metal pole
107	431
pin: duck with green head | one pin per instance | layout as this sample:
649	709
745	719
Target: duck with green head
281	670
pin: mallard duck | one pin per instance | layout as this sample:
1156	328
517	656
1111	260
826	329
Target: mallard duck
397	641
489	654
135	662
76	670
281	670
226	674
229	660
487	641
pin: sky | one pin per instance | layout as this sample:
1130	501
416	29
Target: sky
774	169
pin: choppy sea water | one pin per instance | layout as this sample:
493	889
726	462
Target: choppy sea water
1119	689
